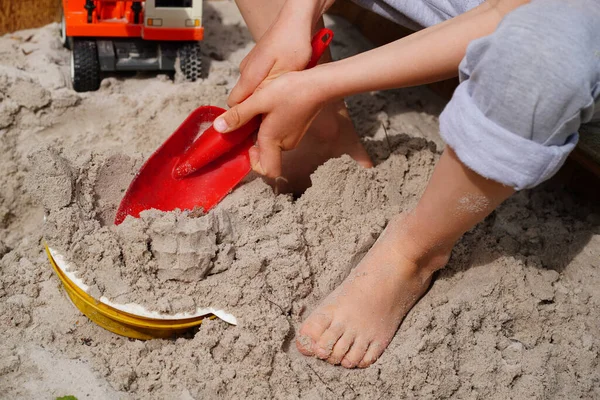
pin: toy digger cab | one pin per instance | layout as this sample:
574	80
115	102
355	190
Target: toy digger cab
150	35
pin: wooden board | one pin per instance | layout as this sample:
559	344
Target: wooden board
25	14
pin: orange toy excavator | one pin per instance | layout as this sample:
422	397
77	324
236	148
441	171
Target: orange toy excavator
150	35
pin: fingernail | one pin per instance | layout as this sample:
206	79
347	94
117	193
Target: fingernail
280	184
220	125
258	168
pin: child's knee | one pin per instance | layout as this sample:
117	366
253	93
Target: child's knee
535	75
525	91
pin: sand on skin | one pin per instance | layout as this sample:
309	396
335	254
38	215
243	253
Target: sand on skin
515	314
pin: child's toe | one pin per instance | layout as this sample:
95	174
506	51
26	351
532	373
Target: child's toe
341	348
311	331
324	345
356	353
304	344
373	352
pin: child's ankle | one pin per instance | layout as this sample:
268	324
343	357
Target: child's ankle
425	257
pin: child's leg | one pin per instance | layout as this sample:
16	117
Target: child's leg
357	321
331	134
513	120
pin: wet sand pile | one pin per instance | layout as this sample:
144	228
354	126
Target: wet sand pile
514	315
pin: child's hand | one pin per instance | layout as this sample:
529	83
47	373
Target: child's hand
288	105
283	48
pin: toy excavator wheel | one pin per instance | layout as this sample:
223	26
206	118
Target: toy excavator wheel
85	66
190	61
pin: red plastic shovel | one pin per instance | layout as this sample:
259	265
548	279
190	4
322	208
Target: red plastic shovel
197	166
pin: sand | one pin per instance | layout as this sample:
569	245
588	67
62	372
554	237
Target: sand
514	315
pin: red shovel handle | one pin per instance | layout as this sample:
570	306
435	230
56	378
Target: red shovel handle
319	44
211	144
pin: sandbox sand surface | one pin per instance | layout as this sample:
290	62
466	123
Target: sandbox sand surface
516	313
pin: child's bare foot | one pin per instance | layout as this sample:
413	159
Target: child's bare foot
356	322
331	135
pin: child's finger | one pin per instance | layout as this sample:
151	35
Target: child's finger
251	77
238	116
245	61
254	154
269	157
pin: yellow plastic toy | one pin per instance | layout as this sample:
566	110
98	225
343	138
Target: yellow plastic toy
118	321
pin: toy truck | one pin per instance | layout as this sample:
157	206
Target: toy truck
117	35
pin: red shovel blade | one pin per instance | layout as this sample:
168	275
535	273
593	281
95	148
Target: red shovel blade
155	187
